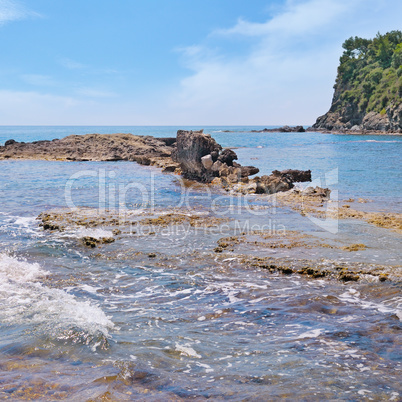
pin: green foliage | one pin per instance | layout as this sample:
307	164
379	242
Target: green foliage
376	75
370	73
397	57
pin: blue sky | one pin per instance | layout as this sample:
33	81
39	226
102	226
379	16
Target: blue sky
177	62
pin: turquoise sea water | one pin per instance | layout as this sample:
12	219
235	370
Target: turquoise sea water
189	323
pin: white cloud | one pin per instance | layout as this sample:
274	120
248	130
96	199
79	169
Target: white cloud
71	64
11	10
287	73
296	18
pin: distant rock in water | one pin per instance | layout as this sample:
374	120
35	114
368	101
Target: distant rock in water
368	88
283	129
91	147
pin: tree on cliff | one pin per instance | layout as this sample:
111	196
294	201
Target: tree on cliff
369	79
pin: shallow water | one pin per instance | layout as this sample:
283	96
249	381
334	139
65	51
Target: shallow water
159	315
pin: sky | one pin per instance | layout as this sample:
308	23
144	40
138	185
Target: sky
177	62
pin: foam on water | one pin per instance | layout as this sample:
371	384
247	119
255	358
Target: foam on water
392	306
54	312
13	270
23	224
97	233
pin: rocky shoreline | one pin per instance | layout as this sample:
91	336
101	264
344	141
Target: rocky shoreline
345	120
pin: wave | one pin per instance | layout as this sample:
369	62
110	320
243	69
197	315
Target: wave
391	306
50	312
22	224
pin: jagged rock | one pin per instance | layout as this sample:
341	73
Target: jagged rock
142	160
287	129
217	167
194	154
280	181
10	142
246	171
395	118
376	121
169	169
214	155
207	161
273	184
191	147
294	175
227	157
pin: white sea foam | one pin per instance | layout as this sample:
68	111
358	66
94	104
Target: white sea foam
391	306
26	301
24	221
27	224
12	269
310	334
187	350
97	233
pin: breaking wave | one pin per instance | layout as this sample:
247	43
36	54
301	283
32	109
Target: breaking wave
49	311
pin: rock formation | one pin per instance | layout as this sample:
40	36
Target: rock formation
191	147
201	159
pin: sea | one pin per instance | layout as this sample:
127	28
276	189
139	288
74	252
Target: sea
163	314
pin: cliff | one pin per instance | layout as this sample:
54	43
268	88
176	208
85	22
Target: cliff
368	87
